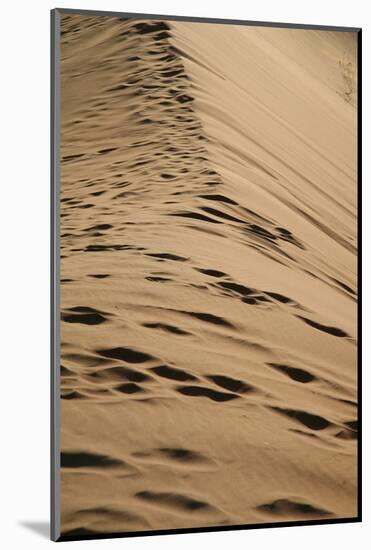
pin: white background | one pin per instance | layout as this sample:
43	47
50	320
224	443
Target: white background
24	271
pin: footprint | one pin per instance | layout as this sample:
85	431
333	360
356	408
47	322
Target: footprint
230	384
167	328
84	360
222	215
145	28
212	272
126	354
195	216
176	456
236	287
131	387
64	371
108	247
350	431
72	395
208	318
312	421
83	309
173	374
158	279
173	500
72	157
250	301
279	297
84	315
120	373
106	151
352	425
167	256
199	391
182	455
99	227
219	198
88	460
261	232
288	507
299	375
330	330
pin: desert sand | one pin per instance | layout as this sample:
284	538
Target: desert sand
208	275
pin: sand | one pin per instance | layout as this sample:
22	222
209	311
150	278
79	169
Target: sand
208	275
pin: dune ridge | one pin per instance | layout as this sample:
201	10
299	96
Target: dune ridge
208	275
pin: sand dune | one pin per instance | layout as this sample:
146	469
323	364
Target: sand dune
208	275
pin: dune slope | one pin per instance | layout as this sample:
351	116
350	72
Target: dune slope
208	275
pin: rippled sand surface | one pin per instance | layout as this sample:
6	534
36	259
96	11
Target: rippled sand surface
208	275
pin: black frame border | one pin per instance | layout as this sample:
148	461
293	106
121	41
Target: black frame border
55	275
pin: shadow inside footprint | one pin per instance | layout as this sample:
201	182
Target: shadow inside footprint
211	272
172	500
120	373
299	375
195	216
329	330
350	431
176	455
173	374
312	421
72	395
129	388
199	391
230	384
287	507
167	256
158	279
85	319
84	315
182	455
236	287
167	328
126	354
86	460
279	297
219	198
209	318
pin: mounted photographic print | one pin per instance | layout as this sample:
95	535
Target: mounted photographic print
205	249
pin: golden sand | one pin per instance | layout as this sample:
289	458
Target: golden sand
208	275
